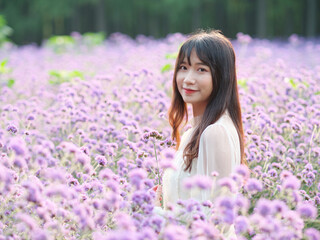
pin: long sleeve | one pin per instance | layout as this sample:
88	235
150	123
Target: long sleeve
219	151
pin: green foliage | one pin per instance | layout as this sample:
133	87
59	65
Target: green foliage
60	44
10	82
172	55
166	68
93	39
4	71
3	67
58	77
243	83
293	83
5	31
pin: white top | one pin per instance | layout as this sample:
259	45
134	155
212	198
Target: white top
219	150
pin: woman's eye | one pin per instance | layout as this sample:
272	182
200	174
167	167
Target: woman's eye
183	68
202	70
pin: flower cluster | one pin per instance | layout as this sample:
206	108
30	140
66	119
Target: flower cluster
78	158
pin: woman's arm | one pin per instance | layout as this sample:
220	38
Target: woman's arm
217	153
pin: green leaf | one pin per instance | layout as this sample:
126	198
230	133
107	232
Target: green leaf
293	83
171	55
3	68
317	93
3	63
166	68
58	77
61	40
10	83
93	39
60	44
306	84
243	83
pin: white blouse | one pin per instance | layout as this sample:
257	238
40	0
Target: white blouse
219	150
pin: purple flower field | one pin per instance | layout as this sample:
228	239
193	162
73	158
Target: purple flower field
84	137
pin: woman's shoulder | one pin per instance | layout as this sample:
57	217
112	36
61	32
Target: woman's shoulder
214	130
223	127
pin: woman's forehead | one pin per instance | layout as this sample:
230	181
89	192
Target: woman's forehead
191	55
192	59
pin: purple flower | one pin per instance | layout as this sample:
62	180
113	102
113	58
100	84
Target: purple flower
102	161
225	202
242	203
284	174
172	232
228	215
264	207
136	176
253	185
202	182
157	221
165	163
279	206
40	235
18	145
228	183
12	128
241	224
306	210
207	203
273	173
204	229
214	174
243	171
106	174
124	221
147	233
168	153
312	234
27	220
291	182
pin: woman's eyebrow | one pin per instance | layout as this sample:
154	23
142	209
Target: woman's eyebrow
200	63
197	63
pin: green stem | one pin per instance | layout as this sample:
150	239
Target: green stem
155	153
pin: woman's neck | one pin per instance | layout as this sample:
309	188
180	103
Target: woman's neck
196	120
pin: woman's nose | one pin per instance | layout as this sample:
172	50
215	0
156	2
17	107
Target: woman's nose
190	78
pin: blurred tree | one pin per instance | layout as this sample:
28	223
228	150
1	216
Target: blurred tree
261	19
5	31
100	16
35	20
311	17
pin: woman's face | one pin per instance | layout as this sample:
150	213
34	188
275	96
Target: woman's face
194	82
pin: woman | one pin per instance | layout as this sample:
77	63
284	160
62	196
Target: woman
205	77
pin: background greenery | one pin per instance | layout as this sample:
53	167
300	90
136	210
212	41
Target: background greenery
35	20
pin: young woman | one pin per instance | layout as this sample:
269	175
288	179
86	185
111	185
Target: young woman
205	77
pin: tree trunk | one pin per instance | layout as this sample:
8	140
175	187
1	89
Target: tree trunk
311	18
196	16
59	25
75	21
46	28
261	19
100	16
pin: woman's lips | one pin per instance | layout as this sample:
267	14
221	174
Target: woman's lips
189	91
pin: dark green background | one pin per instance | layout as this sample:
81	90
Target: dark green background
35	20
